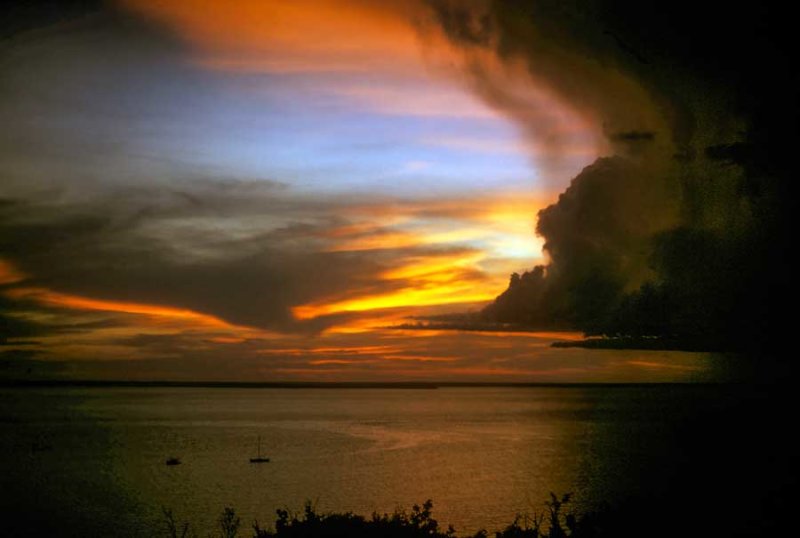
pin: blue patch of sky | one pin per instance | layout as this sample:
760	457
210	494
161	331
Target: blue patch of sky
317	147
158	116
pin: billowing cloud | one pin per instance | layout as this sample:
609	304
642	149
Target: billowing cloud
598	236
646	242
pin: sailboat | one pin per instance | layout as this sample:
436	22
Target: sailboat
259	458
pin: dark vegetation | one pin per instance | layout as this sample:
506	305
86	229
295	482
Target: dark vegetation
554	522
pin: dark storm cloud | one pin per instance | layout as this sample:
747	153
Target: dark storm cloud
25	15
691	95
566	53
633	136
607	213
598	236
463	24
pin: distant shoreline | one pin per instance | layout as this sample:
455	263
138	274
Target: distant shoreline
66	383
644	344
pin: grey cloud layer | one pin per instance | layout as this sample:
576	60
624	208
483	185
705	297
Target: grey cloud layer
86	210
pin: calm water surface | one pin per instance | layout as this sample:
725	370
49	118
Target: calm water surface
92	461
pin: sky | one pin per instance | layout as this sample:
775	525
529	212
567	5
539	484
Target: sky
261	190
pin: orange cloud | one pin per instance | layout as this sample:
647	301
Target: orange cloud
502	226
440	295
353	349
418	358
9	274
226	340
376	241
499	233
424	281
663	366
321	362
62	300
288	37
382	47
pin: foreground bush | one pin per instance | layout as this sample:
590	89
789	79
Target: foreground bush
419	523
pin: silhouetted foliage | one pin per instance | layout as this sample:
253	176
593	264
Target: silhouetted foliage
419	523
228	523
173	528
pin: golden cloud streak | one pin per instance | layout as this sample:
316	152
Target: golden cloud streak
662	365
62	300
9	274
437	280
440	295
273	36
351	350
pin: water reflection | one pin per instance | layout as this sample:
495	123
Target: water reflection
85	461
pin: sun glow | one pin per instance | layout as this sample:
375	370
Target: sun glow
423	281
436	295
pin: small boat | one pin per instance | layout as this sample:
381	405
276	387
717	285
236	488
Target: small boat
173	461
259	458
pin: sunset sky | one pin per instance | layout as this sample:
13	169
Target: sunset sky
260	190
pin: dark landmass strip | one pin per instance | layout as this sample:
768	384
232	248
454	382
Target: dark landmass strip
66	383
89	383
654	343
470	326
643	343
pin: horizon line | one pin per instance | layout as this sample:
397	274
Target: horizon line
429	385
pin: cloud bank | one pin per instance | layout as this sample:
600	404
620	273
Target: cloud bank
679	232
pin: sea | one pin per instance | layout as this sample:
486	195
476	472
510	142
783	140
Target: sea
78	461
